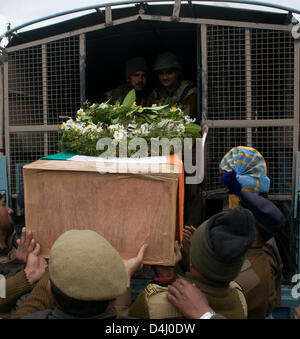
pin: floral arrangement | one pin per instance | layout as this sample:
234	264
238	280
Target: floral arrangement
124	121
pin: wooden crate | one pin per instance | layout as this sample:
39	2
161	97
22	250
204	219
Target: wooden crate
128	209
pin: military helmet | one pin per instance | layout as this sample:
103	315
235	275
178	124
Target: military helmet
166	60
137	64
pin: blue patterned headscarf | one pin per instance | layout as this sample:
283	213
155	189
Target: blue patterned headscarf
250	168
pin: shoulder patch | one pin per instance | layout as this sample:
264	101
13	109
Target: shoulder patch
246	265
150	290
248	279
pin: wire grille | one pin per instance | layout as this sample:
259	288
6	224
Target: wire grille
44	89
27	147
44	85
226	60
25	87
63	79
220	141
272	63
276	146
251	77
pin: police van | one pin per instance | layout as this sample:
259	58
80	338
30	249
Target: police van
245	63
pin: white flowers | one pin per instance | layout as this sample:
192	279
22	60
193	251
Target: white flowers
119	136
119	123
180	128
88	129
188	120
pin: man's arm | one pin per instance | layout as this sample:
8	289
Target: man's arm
16	286
38	300
132	265
23	281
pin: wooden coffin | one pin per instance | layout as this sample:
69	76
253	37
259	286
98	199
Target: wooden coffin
128	209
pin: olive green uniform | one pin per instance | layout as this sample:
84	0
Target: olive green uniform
9	265
119	94
260	280
226	301
184	95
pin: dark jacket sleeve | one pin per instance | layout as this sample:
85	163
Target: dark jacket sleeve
38	300
16	287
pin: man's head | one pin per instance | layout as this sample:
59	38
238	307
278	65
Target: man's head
6	223
168	69
86	272
136	73
219	245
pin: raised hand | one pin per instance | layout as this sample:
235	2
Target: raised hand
36	265
26	245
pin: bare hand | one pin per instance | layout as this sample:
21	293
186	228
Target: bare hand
132	265
177	253
26	244
297	312
168	271
36	265
188	299
188	233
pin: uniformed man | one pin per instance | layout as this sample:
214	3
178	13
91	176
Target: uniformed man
19	285
9	264
190	301
218	250
136	73
260	277
172	90
86	274
261	282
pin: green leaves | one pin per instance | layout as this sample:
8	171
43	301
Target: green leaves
125	121
192	128
129	99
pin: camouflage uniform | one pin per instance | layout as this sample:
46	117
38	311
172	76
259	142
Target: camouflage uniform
119	94
184	95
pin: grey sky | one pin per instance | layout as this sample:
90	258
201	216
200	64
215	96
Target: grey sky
18	12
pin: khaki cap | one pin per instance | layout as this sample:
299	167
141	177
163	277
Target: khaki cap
84	266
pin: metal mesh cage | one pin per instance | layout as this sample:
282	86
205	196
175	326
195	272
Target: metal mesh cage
251	77
25	87
226	59
43	89
63	79
272	63
27	147
220	141
276	146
